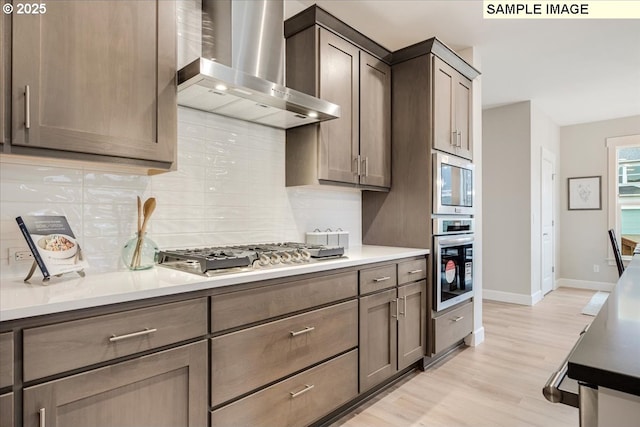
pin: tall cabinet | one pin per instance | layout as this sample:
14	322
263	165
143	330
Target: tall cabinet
96	81
432	101
328	59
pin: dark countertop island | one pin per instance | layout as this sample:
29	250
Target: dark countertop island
609	353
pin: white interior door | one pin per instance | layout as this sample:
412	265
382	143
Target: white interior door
547	221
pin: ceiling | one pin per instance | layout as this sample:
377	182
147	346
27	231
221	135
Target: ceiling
575	71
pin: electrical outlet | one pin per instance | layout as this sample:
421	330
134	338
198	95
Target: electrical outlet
20	255
596	268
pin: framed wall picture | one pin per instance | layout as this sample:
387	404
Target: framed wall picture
584	193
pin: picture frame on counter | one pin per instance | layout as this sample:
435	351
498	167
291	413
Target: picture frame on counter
585	193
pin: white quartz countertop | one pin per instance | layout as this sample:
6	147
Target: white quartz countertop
20	300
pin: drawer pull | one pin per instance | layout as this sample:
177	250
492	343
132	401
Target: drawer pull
404	303
306	388
382	279
146	331
27	107
415	271
457	319
43	422
304	331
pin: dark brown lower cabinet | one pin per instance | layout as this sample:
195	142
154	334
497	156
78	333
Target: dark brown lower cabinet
378	338
392	332
297	401
6	410
412	323
168	388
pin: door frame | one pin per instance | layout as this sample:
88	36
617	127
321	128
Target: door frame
547	155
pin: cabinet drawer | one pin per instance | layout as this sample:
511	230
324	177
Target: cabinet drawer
412	271
6	359
297	401
245	360
163	389
57	348
452	326
244	307
375	279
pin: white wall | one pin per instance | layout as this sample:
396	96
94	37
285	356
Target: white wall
228	189
514	136
583	236
506	135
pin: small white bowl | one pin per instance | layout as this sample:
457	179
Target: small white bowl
61	246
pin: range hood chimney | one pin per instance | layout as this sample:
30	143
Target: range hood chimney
240	73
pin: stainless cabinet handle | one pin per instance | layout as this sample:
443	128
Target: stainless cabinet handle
43	422
381	279
404	306
457	319
146	331
358	169
454	136
307	387
366	166
397	304
304	331
27	107
415	271
459	139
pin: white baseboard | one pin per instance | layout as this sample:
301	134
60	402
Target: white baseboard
476	337
511	297
585	284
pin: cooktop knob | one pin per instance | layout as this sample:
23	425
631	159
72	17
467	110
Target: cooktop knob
286	257
275	258
263	260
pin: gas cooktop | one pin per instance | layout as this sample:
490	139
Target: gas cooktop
210	261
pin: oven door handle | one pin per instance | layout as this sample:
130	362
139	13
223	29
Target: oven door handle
450	241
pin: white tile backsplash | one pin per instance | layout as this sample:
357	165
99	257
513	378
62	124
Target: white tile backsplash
228	189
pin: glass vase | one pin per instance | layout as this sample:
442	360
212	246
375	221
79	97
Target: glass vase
147	253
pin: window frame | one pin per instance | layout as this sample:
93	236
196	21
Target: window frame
614	219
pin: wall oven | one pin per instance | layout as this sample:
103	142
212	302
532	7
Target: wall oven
453	185
453	257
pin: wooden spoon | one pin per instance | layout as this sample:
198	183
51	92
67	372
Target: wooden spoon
147	209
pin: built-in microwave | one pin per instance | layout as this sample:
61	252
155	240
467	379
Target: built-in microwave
453	185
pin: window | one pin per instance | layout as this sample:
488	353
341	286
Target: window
624	190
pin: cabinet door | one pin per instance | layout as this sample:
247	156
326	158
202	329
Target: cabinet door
97	78
444	132
6	410
6	359
412	323
338	83
378	338
168	388
463	116
375	121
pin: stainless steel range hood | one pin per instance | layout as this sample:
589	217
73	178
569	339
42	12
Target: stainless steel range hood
240	72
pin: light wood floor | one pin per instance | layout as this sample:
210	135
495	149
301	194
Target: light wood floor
498	383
